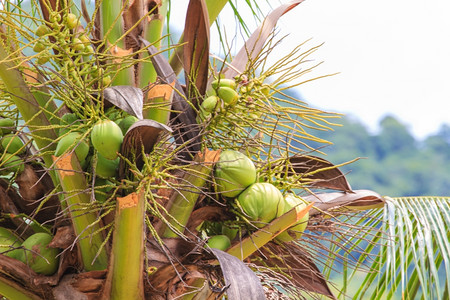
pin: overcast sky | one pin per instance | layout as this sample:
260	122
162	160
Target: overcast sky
393	57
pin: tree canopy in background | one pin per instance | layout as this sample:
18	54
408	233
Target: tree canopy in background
393	162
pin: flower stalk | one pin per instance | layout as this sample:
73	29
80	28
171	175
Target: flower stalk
85	222
125	275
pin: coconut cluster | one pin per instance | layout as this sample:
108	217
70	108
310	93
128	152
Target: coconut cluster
12	148
261	202
65	35
96	148
34	251
223	93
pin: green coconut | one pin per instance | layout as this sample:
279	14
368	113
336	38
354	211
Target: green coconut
69	142
38	256
11	163
107	138
71	21
9	241
126	123
106	167
44	57
221	242
295	232
261	202
39	47
233	173
228	95
13	144
210	103
223	82
42	30
67	121
230	232
102	188
7	125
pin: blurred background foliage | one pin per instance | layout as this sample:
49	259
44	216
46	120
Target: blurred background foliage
393	162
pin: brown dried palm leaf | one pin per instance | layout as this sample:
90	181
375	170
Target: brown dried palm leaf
296	264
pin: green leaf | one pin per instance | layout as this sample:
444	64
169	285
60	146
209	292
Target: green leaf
405	247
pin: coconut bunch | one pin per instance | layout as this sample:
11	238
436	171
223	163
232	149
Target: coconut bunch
12	147
155	189
256	202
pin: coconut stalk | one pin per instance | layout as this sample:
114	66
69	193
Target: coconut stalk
31	111
85	223
112	26
214	8
182	204
153	34
41	95
158	105
261	237
11	290
126	269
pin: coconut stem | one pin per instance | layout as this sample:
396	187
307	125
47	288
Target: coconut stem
112	31
261	237
12	290
182	203
125	276
152	33
86	226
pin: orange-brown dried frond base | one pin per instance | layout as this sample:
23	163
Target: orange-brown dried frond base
161	91
64	165
209	156
119	53
130	200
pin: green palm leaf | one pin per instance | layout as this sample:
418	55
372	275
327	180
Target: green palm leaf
404	249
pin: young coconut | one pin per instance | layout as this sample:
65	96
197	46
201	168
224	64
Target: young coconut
228	95
102	188
7	125
234	172
69	142
294	232
71	21
126	123
42	30
9	241
13	144
38	256
39	47
210	103
221	242
107	138
224	82
106	167
261	202
68	120
11	163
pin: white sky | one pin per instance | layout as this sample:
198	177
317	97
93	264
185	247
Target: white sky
393	57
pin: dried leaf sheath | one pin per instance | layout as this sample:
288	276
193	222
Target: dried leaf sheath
255	43
196	49
183	116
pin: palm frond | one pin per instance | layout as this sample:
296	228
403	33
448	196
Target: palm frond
400	251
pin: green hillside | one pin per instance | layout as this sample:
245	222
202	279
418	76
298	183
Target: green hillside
393	162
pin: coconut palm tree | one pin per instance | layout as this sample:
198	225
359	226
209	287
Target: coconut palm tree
120	182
